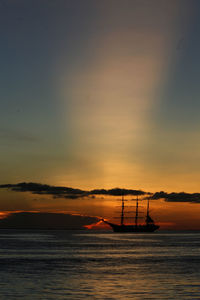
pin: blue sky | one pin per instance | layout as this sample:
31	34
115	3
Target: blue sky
100	93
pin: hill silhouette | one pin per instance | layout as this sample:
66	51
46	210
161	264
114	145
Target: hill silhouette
30	220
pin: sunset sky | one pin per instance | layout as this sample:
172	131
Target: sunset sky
101	94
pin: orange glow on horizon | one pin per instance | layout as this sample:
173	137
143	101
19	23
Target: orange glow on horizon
100	225
168	215
4	214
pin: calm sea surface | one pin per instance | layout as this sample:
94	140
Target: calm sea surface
99	265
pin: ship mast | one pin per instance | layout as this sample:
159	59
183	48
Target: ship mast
148	207
149	220
147	216
122	213
136	213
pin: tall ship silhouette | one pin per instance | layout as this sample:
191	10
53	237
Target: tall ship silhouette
149	225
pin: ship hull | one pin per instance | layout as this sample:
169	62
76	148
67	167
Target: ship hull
133	228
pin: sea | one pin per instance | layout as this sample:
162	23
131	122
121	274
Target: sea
48	264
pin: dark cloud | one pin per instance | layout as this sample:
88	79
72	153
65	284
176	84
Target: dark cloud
177	197
66	192
71	193
30	220
45	189
117	192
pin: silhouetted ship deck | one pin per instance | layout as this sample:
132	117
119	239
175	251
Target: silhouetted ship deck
149	225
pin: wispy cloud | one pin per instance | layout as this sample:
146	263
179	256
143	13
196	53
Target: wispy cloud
17	135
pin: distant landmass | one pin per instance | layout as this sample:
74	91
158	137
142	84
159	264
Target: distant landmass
30	220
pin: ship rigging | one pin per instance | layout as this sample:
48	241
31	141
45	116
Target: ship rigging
149	225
